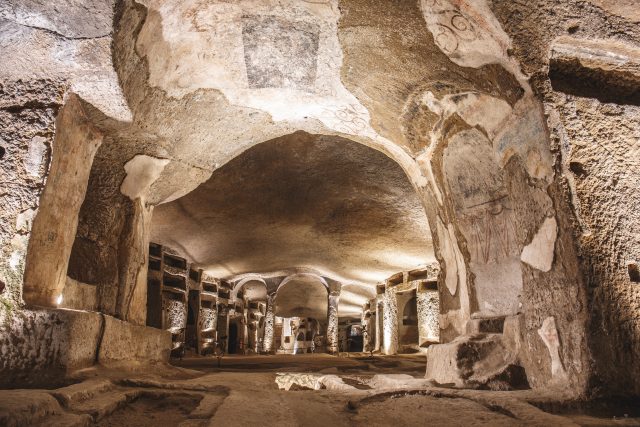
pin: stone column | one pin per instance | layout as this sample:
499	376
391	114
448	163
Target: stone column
390	321
332	320
131	303
379	328
428	312
54	228
269	324
366	323
254	336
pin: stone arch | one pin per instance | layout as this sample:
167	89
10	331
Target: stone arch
247	280
290	297
482	99
298	276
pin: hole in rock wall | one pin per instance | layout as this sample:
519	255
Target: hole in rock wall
2	286
634	272
2	152
593	70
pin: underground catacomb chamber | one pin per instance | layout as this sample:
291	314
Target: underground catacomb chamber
346	207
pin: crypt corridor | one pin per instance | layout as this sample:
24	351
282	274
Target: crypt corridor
327	212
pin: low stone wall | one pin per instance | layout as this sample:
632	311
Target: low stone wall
125	342
41	347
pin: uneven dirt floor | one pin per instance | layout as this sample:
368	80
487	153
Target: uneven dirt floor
159	411
378	391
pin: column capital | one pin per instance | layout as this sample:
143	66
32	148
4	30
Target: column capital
335	288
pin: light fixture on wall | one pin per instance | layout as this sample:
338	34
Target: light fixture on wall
59	300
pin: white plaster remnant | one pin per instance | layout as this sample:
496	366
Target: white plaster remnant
15	260
474	108
524	133
281	57
466	31
25	219
539	253
469	34
549	334
397	381
35	156
142	172
311	381
456	273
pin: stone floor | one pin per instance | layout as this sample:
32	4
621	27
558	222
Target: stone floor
242	391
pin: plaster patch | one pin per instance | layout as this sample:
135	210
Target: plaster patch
475	108
456	272
539	253
35	156
142	171
549	334
454	318
279	52
498	287
24	220
466	31
283	58
15	260
524	133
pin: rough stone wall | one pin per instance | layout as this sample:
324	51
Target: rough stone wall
27	123
449	87
595	135
208	318
39	347
79	296
176	313
47	52
124	344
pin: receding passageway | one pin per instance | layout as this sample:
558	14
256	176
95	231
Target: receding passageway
328	212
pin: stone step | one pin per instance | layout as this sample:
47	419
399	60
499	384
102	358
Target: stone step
105	404
207	407
66	420
257	408
80	392
478	360
26	407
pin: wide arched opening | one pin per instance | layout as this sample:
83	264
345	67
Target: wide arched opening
292	180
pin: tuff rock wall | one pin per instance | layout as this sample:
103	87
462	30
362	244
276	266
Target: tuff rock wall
583	60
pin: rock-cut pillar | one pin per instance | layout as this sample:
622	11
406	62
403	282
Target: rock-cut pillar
390	322
428	313
54	228
332	321
367	324
269	324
